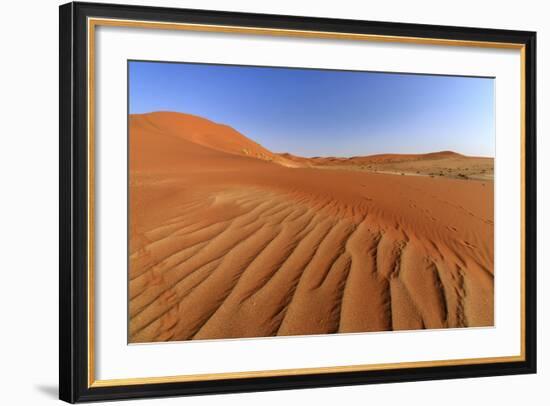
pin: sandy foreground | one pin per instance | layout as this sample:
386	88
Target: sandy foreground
228	239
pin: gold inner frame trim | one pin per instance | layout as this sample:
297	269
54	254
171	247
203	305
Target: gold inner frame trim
94	22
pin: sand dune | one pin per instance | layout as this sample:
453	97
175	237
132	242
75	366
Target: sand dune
227	244
443	163
203	132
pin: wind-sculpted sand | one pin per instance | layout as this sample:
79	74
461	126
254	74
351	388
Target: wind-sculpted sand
226	244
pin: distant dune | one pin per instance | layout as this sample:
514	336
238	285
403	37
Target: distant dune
228	239
448	164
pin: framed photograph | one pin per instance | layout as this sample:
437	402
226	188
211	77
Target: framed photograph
256	202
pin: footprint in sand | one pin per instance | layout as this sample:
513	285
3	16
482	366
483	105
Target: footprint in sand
468	244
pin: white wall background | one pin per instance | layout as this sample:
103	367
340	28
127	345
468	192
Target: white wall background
29	188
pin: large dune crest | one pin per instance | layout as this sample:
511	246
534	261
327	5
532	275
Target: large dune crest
203	132
225	244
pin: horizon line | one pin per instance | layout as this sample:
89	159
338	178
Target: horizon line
310	156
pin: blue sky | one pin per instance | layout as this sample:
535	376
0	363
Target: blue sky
325	112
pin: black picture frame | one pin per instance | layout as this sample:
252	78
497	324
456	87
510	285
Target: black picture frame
73	284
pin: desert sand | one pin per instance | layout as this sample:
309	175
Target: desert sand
228	239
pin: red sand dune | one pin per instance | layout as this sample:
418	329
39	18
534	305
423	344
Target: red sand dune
203	132
226	243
